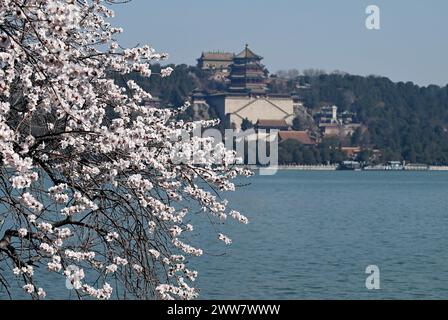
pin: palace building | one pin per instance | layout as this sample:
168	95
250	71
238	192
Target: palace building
215	60
247	95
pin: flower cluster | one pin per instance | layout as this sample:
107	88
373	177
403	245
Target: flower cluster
55	264
111	268
22	232
47	248
79	256
111	236
225	239
120	261
239	217
182	291
57	193
31	202
28	270
92	174
75	277
81	204
101	294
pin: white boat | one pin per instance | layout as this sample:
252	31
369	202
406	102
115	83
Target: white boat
394	166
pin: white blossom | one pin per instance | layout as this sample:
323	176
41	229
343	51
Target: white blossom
112	268
47	248
154	253
27	270
138	268
99	175
29	288
45	227
75	276
120	261
22	232
101	294
55	265
111	236
225	239
41	293
238	216
79	256
166	72
63	233
31	202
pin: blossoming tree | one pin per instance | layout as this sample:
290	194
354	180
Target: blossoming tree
95	185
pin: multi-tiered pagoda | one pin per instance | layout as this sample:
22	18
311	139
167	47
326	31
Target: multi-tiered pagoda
248	74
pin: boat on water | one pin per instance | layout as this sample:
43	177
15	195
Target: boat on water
350	165
356	166
394	166
389	166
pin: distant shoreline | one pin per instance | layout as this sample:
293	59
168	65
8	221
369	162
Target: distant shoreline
335	168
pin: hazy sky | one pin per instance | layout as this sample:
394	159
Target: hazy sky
412	44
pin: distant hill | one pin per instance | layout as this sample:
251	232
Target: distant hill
404	121
177	88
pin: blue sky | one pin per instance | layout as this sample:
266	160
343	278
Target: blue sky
412	44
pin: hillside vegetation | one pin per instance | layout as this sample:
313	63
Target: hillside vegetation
403	120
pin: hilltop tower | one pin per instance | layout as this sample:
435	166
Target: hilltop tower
247	75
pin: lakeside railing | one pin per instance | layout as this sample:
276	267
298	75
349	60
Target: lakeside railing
301	167
438	168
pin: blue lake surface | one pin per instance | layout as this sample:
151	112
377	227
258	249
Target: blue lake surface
312	235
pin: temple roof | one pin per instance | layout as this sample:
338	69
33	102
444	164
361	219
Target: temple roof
300	136
247	53
269	123
223	56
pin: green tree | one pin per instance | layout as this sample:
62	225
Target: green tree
356	137
298	124
246	124
309	157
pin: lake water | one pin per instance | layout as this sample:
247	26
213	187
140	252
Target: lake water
312	235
